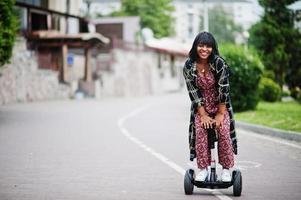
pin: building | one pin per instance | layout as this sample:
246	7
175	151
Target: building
60	37
244	14
97	8
54	55
63	16
190	16
189	13
123	28
163	57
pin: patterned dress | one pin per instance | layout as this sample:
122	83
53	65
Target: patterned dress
206	83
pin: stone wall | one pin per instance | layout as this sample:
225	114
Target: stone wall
22	81
137	73
121	73
132	73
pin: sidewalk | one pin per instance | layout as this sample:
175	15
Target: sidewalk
288	135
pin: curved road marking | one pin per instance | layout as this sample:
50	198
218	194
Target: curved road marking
157	155
246	164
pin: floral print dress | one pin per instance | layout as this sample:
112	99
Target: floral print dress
206	83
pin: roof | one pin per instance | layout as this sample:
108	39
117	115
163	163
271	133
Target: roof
92	39
168	45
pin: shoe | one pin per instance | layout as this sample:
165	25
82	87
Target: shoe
226	176
202	175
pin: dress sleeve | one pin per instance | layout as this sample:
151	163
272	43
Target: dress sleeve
223	85
193	91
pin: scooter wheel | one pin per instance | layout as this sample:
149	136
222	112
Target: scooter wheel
237	183
188	181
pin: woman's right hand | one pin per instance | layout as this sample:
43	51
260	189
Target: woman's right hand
207	122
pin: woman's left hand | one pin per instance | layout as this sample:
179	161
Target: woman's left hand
219	118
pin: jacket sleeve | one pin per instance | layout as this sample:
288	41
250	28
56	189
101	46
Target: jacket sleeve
223	85
193	91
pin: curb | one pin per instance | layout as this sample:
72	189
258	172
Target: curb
287	135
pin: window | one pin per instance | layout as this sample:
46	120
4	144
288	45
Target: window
190	25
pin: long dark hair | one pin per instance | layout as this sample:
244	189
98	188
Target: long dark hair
207	39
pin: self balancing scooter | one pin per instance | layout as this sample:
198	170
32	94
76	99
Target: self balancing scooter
211	181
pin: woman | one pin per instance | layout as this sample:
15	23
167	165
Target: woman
207	79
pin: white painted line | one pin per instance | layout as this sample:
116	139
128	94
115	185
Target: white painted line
157	155
270	138
246	164
220	195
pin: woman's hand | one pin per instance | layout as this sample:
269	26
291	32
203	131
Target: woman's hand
207	122
219	118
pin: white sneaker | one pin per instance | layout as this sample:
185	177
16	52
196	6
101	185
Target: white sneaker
202	175
226	176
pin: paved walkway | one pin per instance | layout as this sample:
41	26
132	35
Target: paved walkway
132	148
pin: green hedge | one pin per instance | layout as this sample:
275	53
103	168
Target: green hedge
246	69
8	29
269	90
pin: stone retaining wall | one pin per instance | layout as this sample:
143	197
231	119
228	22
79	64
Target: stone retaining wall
130	73
136	73
133	74
22	81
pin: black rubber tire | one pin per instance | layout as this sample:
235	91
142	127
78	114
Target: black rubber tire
237	183
188	179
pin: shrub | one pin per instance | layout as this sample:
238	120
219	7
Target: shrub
8	29
269	74
269	90
246	69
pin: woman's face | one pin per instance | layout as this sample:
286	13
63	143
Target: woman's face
204	51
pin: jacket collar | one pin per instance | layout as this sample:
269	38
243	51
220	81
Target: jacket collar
194	70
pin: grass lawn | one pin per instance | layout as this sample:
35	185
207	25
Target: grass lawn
281	115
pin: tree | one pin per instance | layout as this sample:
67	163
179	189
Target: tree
294	69
156	15
276	39
222	26
8	29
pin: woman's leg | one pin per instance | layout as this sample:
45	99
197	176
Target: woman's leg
225	152
201	145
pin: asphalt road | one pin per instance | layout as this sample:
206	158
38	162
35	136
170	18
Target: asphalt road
127	148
